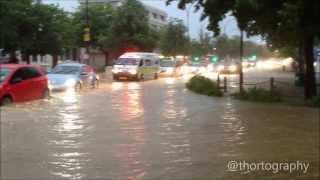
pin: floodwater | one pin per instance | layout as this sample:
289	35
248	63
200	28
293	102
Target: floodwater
153	130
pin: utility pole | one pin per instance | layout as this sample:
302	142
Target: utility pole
240	65
86	37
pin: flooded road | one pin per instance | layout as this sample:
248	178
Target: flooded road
153	130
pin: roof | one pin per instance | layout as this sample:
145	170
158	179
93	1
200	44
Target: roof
16	66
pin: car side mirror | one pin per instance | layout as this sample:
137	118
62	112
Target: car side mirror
16	80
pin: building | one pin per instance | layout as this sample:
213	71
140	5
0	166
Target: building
157	17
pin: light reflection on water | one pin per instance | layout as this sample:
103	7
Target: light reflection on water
66	159
175	135
134	130
234	129
129	105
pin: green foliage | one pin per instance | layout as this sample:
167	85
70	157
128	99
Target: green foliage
259	95
131	26
315	102
203	45
226	46
203	85
34	28
100	21
174	40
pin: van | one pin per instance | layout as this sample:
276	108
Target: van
136	65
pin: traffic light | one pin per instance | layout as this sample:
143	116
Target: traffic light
195	58
86	35
214	59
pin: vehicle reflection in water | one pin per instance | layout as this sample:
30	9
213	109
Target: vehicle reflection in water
69	96
115	86
170	80
175	135
66	159
132	127
233	130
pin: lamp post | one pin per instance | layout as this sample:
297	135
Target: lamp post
240	64
86	37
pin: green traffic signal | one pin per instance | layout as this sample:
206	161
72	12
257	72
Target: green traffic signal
253	58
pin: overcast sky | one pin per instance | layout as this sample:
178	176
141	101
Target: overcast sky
229	25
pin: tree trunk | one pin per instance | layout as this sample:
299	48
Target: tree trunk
300	58
74	54
25	57
13	58
106	59
54	60
310	81
240	64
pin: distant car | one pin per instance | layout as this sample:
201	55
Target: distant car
168	68
228	67
22	83
72	76
136	65
197	67
194	67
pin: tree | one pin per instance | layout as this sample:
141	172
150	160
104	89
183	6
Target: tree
12	16
291	22
34	29
101	19
132	28
204	44
174	40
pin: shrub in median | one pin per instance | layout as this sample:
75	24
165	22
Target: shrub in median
259	95
203	85
315	102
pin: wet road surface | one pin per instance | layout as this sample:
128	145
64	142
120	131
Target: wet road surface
153	130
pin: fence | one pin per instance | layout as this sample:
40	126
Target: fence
285	86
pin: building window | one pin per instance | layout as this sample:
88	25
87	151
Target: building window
155	16
163	18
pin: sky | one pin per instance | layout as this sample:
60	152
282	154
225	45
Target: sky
228	25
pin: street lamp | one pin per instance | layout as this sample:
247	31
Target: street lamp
86	37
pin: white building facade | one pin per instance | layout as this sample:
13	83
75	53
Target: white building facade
157	17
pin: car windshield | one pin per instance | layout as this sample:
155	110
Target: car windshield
127	61
195	64
65	70
4	72
167	64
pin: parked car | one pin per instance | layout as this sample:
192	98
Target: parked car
22	83
72	75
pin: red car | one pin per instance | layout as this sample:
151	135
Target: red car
20	82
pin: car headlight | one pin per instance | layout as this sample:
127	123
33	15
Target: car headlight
70	83
133	71
220	67
115	70
233	68
169	71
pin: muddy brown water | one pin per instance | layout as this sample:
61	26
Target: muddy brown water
153	130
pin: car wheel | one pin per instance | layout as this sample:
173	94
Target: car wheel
6	101
96	84
45	94
155	75
78	87
140	77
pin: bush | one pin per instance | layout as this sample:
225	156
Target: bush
259	95
315	102
203	85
